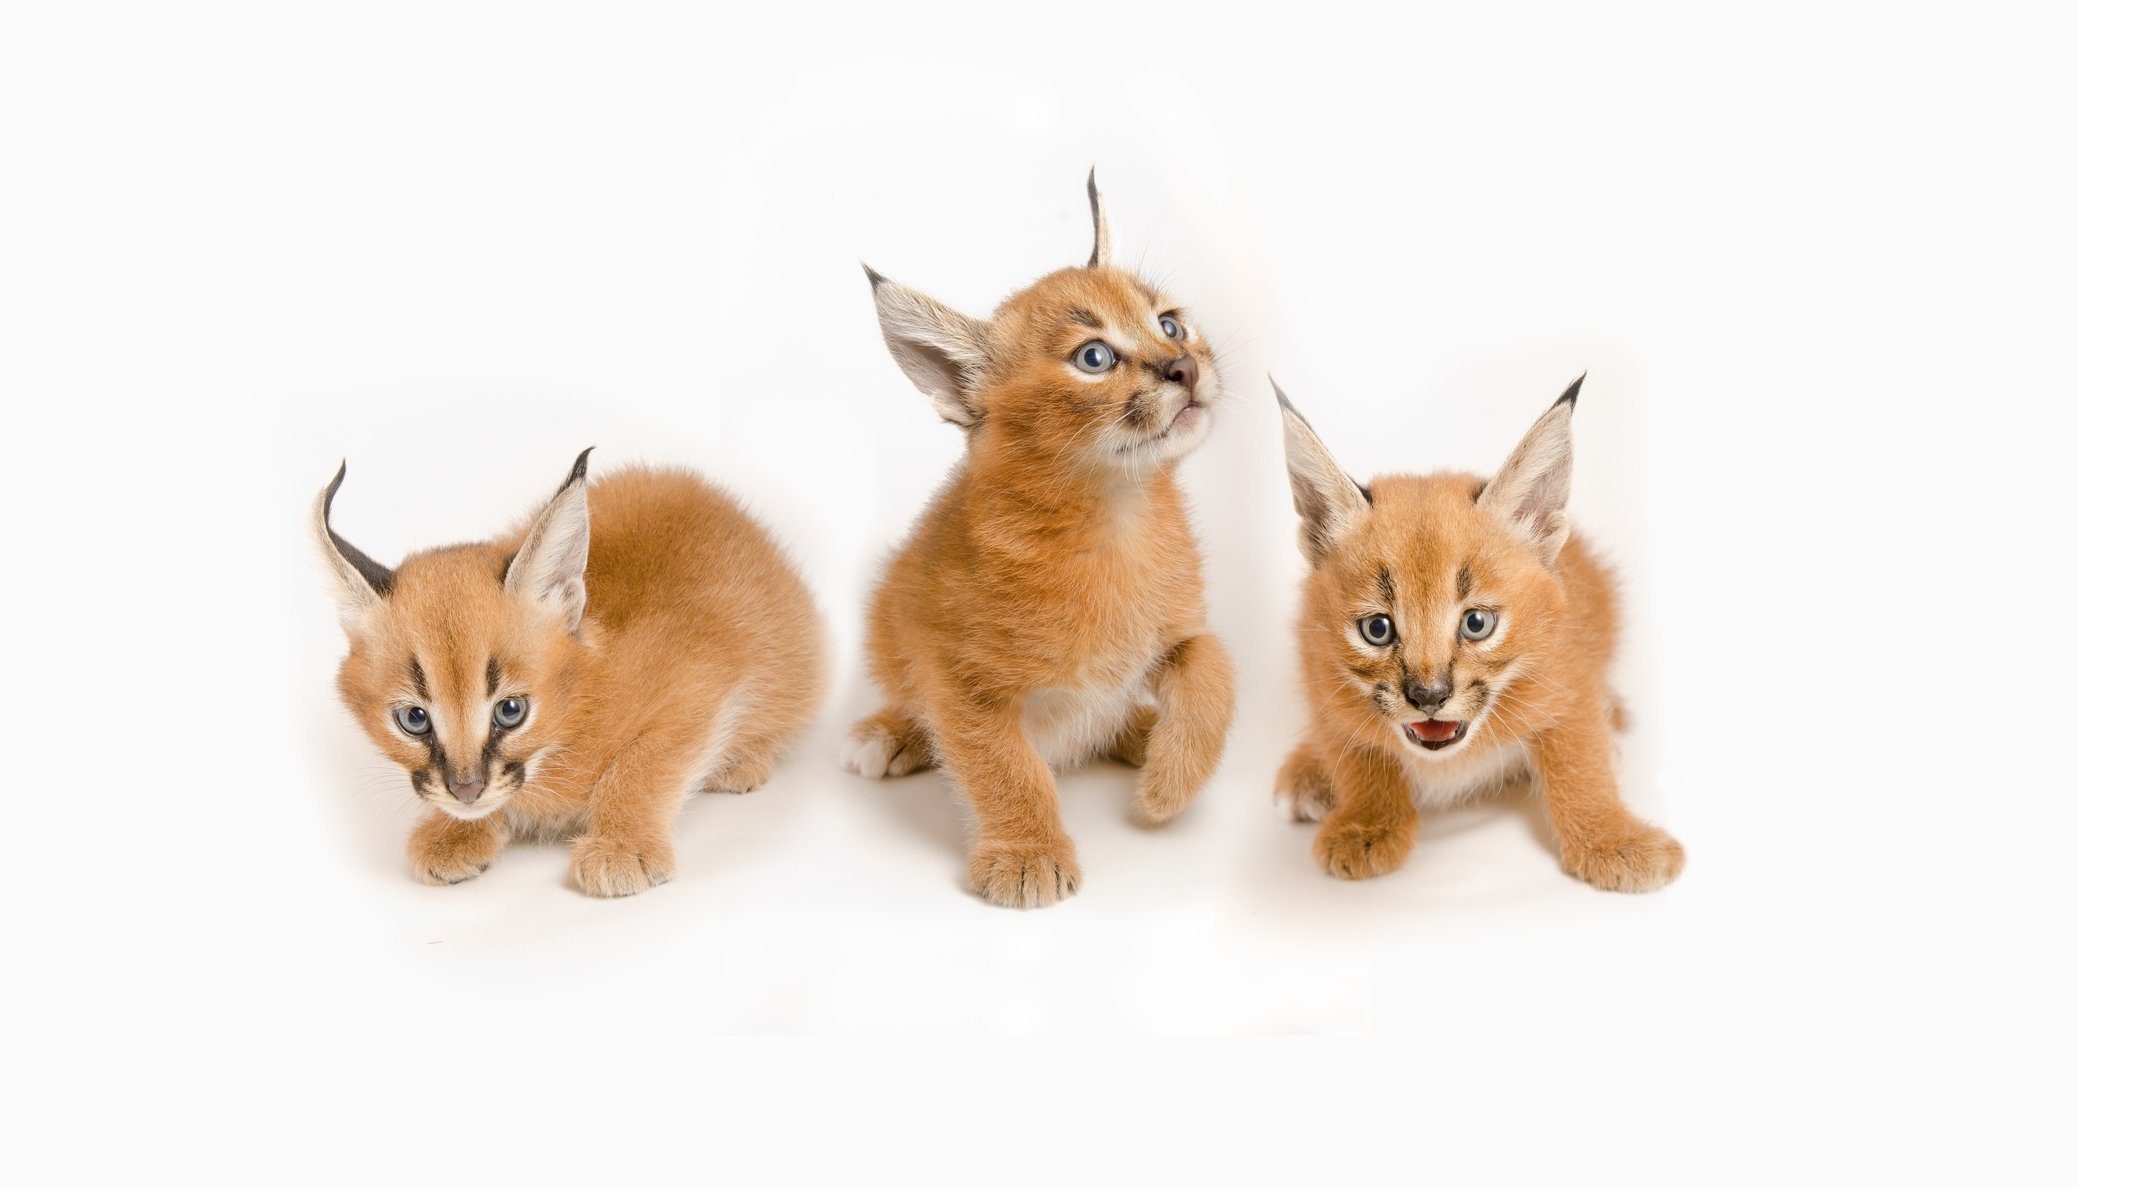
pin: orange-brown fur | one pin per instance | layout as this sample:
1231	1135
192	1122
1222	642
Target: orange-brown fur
698	655
1534	694
1048	607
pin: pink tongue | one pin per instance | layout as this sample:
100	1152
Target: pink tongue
1434	731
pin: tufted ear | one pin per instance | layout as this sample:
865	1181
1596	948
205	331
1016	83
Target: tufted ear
1532	489
942	351
360	582
1328	501
1100	255
549	567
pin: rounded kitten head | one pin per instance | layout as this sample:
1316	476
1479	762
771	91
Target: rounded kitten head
1088	365
1431	596
1093	361
1432	610
462	661
460	682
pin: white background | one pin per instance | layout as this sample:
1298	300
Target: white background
1819	260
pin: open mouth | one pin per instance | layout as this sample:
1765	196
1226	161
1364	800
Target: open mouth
1435	735
1184	420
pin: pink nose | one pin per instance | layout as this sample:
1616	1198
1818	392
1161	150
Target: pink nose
469	790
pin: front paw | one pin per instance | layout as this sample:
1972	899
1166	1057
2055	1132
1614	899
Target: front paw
1022	876
446	850
1361	851
604	866
1642	859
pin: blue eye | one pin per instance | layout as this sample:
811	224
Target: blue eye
511	712
1477	624
1376	630
1095	358
413	722
1171	328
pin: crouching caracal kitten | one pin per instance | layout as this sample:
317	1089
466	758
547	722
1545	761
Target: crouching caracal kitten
1047	607
641	638
1456	634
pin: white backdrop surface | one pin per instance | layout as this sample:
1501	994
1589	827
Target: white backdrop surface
1818	260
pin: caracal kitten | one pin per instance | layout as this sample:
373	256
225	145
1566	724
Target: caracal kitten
1456	635
641	639
1047	607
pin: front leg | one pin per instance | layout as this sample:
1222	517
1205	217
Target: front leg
445	849
1372	826
1603	843
1196	695
628	844
1023	857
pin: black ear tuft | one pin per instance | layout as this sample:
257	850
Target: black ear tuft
1282	398
577	471
374	573
874	277
1570	394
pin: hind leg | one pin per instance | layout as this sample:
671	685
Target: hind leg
1301	791
887	744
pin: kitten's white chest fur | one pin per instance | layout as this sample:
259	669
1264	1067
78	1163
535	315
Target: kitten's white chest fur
1464	777
1072	724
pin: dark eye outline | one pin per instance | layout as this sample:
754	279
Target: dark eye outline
525	709
1363	627
1488	624
413	720
1172	328
1109	356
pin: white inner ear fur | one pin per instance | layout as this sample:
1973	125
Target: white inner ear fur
354	599
942	351
549	567
1328	502
1533	488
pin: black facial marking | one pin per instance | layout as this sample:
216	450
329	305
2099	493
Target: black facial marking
1155	370
421	780
422	682
1385	587
1364	670
496	675
374	573
1466	581
517	773
1085	318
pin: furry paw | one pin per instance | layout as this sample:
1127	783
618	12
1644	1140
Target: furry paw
446	850
1155	805
602	866
734	778
1644	859
1302	791
1013	876
1361	852
886	745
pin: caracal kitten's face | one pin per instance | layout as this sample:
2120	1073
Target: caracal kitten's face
1095	360
1428	592
1088	366
461	660
1426	606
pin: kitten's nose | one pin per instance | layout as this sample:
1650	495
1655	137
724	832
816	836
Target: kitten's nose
1182	370
1428	698
468	789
